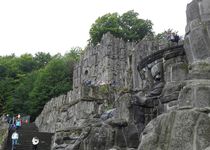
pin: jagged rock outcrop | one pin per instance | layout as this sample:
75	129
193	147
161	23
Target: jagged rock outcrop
106	78
197	46
3	132
186	129
187	126
145	96
112	101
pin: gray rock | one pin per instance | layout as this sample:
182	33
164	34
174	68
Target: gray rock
177	130
114	82
108	114
196	94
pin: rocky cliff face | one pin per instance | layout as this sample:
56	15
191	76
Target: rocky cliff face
187	127
106	81
3	132
144	96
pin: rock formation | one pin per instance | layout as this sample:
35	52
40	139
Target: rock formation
145	96
187	126
3	132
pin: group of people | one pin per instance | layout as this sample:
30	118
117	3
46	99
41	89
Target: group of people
98	83
15	124
15	137
173	37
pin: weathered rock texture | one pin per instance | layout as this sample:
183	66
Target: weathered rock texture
145	96
187	126
112	100
3	132
178	130
107	78
197	46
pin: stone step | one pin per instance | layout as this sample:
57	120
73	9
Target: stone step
26	133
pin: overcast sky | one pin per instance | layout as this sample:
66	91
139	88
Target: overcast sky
31	26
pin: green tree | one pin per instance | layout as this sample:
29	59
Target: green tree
21	96
9	80
7	86
3	71
28	82
127	26
26	63
42	59
53	80
133	28
11	63
107	23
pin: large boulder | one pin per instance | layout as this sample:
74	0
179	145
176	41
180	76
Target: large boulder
197	43
186	129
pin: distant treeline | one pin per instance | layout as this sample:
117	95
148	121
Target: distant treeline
28	82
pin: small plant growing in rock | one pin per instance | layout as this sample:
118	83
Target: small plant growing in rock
104	89
184	66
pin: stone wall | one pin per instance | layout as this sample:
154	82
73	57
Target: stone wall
118	88
110	61
186	126
3	132
102	78
110	65
145	96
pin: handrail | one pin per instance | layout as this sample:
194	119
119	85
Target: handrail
157	55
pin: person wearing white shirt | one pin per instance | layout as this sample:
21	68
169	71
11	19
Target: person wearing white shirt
15	137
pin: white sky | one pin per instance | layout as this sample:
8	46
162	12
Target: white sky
31	26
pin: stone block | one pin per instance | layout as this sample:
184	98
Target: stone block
120	139
170	63
177	130
195	94
170	97
132	135
192	11
179	72
204	8
99	138
123	107
199	44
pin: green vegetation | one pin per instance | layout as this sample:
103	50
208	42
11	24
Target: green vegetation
28	82
184	66
127	26
103	89
204	66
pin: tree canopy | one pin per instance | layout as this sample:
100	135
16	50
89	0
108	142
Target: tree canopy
127	26
28	82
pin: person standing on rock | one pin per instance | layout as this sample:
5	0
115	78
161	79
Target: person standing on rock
35	142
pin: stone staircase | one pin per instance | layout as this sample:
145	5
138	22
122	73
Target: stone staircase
26	133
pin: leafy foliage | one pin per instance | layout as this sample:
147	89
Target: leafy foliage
42	59
28	82
127	26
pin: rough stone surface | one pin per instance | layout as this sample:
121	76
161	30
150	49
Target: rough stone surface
112	101
197	42
3	132
145	96
186	93
106	78
197	47
195	94
177	130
